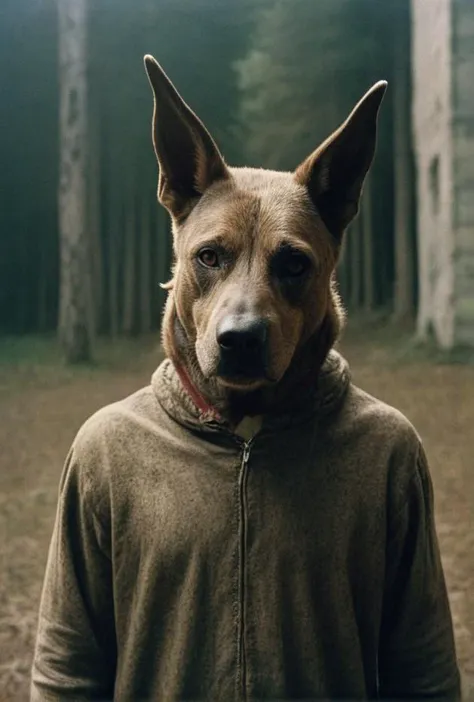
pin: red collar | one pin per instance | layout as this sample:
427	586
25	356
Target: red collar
204	407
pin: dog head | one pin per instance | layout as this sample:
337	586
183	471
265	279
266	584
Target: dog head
255	250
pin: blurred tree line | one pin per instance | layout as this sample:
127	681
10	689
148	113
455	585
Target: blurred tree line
270	79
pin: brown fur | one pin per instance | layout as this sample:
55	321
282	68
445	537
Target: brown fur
251	212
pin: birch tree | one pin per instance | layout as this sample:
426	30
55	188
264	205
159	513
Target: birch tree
75	325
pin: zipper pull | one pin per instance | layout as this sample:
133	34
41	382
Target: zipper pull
246	453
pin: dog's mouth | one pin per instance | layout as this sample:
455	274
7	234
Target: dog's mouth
243	370
245	383
242	384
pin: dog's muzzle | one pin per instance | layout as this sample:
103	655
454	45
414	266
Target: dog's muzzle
243	347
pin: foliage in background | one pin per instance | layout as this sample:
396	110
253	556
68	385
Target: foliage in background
29	272
270	79
129	232
307	66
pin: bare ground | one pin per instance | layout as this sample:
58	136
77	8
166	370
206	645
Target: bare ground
42	405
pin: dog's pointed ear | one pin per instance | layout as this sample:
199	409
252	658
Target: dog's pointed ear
188	158
334	174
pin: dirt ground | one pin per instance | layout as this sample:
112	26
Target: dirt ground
42	405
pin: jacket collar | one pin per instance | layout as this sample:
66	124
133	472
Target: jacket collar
178	396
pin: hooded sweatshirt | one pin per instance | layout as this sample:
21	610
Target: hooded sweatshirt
189	564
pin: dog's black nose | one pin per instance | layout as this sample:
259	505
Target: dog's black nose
242	341
242	334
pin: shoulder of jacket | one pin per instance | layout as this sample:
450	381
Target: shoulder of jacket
113	423
102	445
381	419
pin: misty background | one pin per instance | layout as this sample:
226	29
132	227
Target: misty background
80	296
269	79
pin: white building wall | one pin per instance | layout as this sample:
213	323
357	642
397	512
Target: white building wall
432	131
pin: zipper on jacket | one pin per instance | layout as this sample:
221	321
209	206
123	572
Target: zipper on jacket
243	555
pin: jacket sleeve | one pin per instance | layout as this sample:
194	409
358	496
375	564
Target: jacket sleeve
75	648
417	658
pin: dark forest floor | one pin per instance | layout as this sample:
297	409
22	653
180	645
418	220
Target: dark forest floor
42	405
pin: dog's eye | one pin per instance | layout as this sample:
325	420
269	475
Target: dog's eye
208	258
294	265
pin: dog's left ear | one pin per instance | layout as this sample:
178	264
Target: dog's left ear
334	174
188	158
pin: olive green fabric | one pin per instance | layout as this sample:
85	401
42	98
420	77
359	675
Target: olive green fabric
187	564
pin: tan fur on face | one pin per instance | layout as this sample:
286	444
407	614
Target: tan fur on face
251	216
250	213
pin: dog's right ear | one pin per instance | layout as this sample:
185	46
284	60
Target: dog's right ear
188	158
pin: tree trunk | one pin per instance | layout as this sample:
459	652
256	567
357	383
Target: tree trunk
74	323
368	247
129	262
22	276
144	282
115	215
164	253
145	278
354	251
94	212
43	277
404	293
343	270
